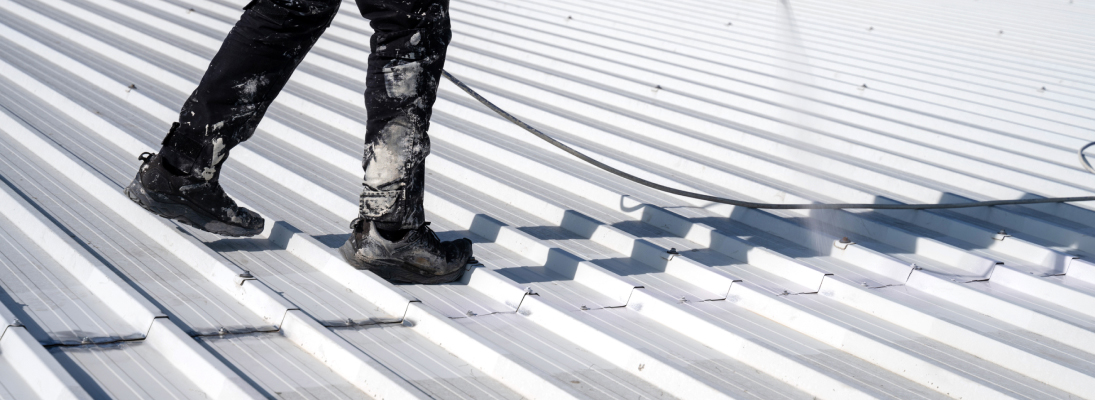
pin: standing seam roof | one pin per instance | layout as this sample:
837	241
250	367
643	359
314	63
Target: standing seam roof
588	286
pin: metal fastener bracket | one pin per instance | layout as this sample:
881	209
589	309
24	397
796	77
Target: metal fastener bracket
843	243
244	276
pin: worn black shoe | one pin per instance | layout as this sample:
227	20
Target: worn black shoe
192	201
420	257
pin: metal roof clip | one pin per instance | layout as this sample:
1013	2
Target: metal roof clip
843	243
243	276
1001	235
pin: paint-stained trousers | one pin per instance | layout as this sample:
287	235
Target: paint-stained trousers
262	51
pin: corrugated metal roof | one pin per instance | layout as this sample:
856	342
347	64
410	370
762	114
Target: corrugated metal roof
577	295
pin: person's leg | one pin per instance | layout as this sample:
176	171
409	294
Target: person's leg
247	73
408	52
390	236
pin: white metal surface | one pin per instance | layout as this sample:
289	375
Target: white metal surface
577	294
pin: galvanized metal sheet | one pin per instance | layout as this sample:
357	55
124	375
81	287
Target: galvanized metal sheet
589	286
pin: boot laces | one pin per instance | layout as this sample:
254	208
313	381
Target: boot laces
432	237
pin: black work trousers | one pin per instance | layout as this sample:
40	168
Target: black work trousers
262	51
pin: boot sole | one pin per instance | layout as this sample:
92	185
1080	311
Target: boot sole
184	214
396	271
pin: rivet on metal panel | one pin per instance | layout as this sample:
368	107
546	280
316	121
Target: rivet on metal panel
222	331
1001	235
528	290
470	313
1042	90
785	293
916	267
131	87
86	340
350	321
584	308
730	23
15	322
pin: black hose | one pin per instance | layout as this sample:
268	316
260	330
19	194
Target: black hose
740	203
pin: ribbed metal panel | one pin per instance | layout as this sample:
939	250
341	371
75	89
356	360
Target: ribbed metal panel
578	294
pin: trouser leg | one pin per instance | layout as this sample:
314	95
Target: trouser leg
247	73
408	53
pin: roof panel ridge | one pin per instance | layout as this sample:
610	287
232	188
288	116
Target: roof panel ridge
216	378
891	356
255	295
643	301
548	211
841	191
961	337
279	233
99	279
36	366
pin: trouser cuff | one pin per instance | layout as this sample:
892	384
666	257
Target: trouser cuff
180	150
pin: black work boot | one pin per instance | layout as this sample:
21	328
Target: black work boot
419	257
191	200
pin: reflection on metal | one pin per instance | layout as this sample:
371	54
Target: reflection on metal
585	286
